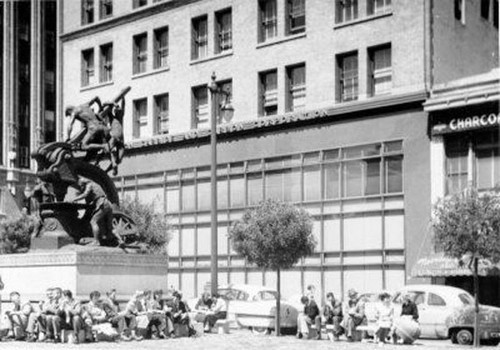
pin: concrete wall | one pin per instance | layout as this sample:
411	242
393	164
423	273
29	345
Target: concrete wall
462	49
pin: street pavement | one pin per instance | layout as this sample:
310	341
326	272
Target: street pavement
236	340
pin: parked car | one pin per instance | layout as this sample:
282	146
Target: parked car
447	312
254	307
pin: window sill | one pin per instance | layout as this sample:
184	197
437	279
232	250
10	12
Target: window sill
281	40
152	72
362	20
211	58
96	86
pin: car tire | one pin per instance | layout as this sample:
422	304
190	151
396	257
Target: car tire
491	342
453	338
261	330
465	337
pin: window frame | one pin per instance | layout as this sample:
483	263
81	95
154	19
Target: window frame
161	52
161	116
88	67
341	79
106	63
293	16
104	6
345	7
140	54
196	106
381	73
268	22
223	36
268	98
199	41
139	3
139	119
295	89
88	12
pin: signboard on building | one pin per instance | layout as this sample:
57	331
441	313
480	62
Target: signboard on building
467	123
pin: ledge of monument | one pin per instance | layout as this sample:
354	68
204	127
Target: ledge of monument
96	249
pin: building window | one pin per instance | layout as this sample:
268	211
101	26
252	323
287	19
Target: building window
161	114
459	8
140	117
347	10
380	69
378	6
106	63
269	93
268	20
139	3
87	12
200	38
105	8
161	48
224	31
348	77
201	113
296	16
140	53
483	167
226	86
88	69
296	94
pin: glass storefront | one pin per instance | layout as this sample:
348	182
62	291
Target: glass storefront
355	195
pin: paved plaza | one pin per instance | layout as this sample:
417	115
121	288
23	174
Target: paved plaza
237	340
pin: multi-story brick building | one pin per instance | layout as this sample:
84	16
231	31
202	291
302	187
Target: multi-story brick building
328	115
28	42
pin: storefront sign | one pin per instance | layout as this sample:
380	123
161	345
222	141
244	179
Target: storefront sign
468	123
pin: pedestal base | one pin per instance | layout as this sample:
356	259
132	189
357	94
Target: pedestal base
82	270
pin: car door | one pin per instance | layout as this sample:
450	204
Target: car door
424	314
438	312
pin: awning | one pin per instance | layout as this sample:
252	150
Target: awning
437	265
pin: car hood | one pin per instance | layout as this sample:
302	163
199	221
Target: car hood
488	315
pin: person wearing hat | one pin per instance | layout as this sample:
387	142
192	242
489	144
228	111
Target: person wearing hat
354	314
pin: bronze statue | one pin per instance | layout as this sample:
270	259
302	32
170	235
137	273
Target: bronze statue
75	163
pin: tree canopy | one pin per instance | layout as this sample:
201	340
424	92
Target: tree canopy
468	224
274	235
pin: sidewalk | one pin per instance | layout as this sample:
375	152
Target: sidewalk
238	339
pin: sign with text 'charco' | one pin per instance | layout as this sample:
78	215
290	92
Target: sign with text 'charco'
483	121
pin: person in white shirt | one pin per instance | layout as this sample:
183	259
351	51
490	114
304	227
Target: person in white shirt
218	311
385	317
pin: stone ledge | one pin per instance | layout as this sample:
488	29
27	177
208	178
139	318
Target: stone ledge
89	258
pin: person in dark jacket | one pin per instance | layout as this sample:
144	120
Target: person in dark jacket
308	317
409	308
332	312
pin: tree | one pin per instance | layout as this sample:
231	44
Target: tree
15	234
153	227
275	235
467	227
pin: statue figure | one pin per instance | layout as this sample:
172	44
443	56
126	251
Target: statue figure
100	212
76	163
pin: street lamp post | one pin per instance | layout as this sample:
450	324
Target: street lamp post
228	110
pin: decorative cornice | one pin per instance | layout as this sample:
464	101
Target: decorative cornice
132	16
289	119
82	258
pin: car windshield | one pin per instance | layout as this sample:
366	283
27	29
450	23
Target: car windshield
265	295
466	299
233	294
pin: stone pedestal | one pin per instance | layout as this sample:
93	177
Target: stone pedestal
82	270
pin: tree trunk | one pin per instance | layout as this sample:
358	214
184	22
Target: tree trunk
476	306
278	302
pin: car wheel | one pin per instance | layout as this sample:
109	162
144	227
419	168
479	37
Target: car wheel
465	337
492	342
453	338
261	330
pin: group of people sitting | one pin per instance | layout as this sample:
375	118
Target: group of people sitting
345	318
146	313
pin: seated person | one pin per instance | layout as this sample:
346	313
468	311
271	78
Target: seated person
384	316
218	311
407	328
49	320
133	310
72	314
204	302
37	322
332	313
180	313
308	317
354	314
98	312
18	316
156	315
